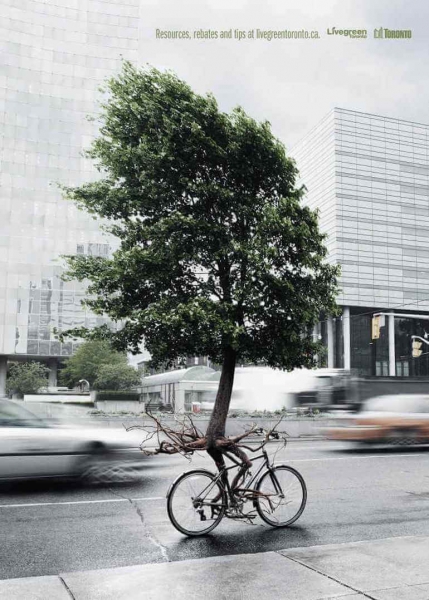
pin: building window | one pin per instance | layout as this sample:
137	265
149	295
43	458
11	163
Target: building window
382	368
93	249
402	368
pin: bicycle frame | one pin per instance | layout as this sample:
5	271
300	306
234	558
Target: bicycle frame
226	486
248	485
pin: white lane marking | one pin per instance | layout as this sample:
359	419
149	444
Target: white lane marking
354	457
78	502
291	448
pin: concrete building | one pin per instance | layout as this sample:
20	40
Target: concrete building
369	177
179	389
55	55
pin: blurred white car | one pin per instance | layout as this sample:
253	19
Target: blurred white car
31	447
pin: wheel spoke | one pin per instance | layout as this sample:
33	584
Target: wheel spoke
281	507
190	503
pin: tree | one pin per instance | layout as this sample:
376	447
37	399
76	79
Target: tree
117	377
87	361
217	257
26	378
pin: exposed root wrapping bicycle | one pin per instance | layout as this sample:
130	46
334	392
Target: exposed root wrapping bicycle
198	500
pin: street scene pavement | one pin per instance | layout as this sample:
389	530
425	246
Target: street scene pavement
354	495
214	233
390	569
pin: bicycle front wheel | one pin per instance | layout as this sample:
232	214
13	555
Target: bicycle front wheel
196	503
282	496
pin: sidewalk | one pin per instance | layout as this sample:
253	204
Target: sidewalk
389	569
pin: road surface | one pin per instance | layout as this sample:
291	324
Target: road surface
48	528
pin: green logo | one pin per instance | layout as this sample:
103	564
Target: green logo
387	34
351	33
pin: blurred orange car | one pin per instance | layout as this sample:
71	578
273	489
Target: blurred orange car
400	419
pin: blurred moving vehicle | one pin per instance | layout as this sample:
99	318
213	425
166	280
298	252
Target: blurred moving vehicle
328	390
31	447
264	388
401	419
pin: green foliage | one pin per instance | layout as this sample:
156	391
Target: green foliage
216	249
118	395
26	378
117	377
87	361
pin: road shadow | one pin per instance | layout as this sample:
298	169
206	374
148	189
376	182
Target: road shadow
234	538
58	486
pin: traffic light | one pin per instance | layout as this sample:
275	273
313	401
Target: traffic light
375	329
417	348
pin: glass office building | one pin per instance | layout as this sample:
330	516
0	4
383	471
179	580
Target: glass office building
55	55
369	177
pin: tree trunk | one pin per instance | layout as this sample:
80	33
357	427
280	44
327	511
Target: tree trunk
216	427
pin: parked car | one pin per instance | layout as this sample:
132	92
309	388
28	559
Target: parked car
400	419
32	447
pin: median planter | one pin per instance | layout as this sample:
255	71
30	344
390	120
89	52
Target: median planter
118	401
60	398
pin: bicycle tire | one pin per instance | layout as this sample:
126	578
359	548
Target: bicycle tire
189	483
295	486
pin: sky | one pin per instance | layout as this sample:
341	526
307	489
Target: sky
293	83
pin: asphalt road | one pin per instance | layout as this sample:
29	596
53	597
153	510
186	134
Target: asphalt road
48	528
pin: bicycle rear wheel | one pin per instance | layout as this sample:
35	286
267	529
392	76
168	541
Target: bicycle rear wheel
196	503
283	496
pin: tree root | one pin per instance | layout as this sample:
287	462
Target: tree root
186	439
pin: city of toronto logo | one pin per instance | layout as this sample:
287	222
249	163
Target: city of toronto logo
384	33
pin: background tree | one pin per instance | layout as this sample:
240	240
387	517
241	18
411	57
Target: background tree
217	255
117	377
26	378
87	361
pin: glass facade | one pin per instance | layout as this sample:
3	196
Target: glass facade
369	177
55	55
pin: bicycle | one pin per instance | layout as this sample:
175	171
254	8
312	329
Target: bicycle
198	500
